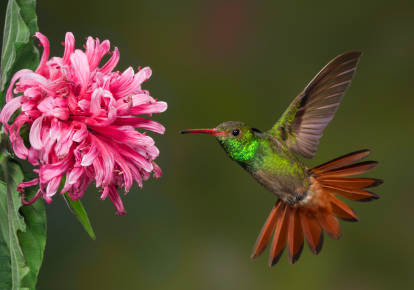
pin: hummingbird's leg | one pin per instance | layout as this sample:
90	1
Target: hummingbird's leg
289	201
299	194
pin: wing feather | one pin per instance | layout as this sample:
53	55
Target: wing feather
303	123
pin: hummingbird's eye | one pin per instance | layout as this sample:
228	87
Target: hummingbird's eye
235	132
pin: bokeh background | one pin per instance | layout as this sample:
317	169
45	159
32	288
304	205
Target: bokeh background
222	60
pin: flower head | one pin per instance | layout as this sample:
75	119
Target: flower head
82	122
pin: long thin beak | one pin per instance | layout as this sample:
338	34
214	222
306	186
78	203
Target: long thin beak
213	132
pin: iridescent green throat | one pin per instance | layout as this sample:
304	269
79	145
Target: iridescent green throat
244	151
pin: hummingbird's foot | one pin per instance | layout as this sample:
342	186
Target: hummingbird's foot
289	201
299	194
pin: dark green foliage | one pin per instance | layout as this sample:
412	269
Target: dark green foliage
32	241
23	232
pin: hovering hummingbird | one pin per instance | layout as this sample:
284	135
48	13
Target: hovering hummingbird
307	201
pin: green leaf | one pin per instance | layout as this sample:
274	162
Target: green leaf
23	233
80	213
33	241
5	266
11	221
28	13
18	51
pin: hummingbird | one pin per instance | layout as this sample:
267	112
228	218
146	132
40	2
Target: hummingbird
307	199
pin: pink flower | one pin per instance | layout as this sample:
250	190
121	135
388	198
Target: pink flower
82	122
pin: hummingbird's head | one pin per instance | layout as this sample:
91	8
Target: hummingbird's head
238	140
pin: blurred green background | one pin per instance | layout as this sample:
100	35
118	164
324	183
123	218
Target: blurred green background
222	60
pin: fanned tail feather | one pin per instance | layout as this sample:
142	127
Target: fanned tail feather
320	210
351	193
361	183
342	161
266	233
313	232
295	237
352	169
281	235
329	223
341	210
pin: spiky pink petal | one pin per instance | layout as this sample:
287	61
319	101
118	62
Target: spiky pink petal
69	47
116	200
42	69
53	186
81	69
34	199
9	109
18	75
27	184
112	62
35	133
138	122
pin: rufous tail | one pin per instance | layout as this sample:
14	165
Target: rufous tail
320	209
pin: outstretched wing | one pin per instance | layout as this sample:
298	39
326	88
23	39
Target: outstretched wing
302	124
